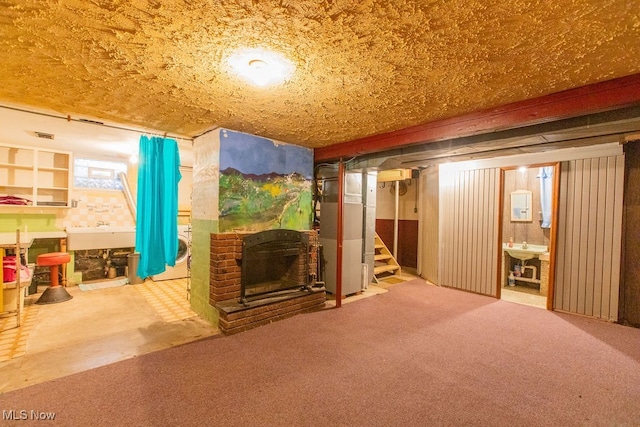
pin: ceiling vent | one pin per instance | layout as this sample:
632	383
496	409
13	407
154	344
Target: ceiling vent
44	135
95	122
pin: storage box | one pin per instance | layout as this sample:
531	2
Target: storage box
9	268
9	295
9	299
8	274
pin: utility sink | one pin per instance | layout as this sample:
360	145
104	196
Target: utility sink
84	238
524	254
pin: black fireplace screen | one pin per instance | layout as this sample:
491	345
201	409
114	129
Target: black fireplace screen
273	261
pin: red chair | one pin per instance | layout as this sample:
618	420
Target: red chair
54	293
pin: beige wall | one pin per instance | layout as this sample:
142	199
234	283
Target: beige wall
204	219
530	232
386	201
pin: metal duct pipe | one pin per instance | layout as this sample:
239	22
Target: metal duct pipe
127	195
340	233
395	221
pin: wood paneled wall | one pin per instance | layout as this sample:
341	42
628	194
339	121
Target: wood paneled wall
589	237
630	295
469	210
407	239
428	226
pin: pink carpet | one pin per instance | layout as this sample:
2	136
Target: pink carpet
418	355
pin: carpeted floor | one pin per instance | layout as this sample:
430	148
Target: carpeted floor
417	355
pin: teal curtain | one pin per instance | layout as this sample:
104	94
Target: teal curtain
157	205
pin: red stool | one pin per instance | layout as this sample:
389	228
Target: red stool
55	292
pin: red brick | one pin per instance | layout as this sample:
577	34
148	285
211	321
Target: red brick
231	263
232	275
251	318
226	273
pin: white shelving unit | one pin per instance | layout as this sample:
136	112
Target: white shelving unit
17	284
41	176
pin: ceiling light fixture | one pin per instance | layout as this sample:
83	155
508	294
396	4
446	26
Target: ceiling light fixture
261	67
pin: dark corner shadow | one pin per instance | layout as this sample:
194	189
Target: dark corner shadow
623	338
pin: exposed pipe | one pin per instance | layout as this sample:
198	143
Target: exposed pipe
534	274
340	232
127	195
419	202
97	123
395	221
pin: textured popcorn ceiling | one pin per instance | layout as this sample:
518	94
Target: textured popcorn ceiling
363	67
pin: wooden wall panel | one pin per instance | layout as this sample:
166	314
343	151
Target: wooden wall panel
408	243
429	224
589	237
630	295
469	232
407	239
384	228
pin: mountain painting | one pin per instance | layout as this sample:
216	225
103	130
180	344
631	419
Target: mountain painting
263	184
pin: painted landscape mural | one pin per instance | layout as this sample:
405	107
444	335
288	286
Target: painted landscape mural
263	184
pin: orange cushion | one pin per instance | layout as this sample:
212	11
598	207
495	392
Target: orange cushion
53	258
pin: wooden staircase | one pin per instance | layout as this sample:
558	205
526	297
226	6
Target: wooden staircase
384	264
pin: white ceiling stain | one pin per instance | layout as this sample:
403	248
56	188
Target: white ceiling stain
363	67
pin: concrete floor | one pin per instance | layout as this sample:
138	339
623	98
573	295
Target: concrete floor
523	295
95	328
107	325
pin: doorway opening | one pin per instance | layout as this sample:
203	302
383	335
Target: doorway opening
396	226
528	228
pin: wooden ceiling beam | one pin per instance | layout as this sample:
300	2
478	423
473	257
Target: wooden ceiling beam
608	95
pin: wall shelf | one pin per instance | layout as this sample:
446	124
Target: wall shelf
41	176
17	186
13	166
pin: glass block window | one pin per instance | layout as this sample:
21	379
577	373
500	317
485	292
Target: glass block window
97	174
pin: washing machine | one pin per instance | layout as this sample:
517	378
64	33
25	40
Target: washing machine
181	269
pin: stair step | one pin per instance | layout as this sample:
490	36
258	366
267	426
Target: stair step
384	260
385	268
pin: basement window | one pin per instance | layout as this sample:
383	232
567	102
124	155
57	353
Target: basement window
97	174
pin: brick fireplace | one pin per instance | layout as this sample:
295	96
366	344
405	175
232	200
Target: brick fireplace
261	303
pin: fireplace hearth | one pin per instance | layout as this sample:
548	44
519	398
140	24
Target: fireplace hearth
279	271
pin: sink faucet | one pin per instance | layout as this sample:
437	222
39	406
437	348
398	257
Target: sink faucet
524	244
